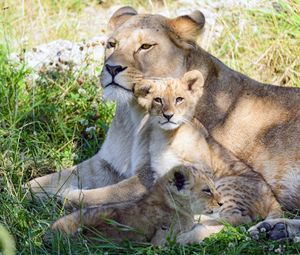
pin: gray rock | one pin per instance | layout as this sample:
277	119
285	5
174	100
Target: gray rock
63	55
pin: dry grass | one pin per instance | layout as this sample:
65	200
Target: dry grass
28	23
264	44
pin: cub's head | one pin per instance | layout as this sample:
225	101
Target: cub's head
149	45
170	102
193	189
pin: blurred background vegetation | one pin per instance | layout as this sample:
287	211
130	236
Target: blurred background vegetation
60	120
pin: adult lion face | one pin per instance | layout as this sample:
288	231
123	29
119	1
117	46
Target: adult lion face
146	45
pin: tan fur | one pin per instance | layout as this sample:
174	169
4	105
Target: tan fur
258	123
167	210
185	142
189	142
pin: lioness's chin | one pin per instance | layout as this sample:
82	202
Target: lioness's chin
119	95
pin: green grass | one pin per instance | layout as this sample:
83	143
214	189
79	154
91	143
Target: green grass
43	124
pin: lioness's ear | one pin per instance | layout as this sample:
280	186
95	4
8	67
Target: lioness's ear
187	27
120	16
193	81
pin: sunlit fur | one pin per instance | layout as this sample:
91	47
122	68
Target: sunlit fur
258	123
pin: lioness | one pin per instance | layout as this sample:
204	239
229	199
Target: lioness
168	209
257	122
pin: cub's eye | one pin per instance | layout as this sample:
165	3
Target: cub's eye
207	191
146	46
111	45
158	100
179	100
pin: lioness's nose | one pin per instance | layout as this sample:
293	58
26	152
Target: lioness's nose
168	116
114	70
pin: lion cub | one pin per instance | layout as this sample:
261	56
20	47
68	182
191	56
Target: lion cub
168	209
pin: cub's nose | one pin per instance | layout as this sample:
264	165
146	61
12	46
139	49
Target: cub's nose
114	70
168	116
220	204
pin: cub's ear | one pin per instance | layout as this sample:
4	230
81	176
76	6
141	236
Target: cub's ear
193	81
182	177
120	16
186	28
179	180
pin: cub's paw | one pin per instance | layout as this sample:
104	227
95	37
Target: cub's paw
275	229
198	233
65	225
186	238
192	236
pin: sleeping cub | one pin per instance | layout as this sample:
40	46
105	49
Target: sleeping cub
167	210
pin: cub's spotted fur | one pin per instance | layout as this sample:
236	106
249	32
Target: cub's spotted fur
168	209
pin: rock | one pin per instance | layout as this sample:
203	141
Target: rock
63	55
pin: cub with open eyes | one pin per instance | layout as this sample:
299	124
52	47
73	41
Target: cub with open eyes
168	209
172	137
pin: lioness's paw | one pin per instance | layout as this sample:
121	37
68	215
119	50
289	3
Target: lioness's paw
276	229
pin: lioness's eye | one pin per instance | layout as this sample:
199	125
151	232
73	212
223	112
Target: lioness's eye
158	100
146	46
179	100
111	45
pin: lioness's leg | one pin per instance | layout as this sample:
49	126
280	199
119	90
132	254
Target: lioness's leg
89	174
110	165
